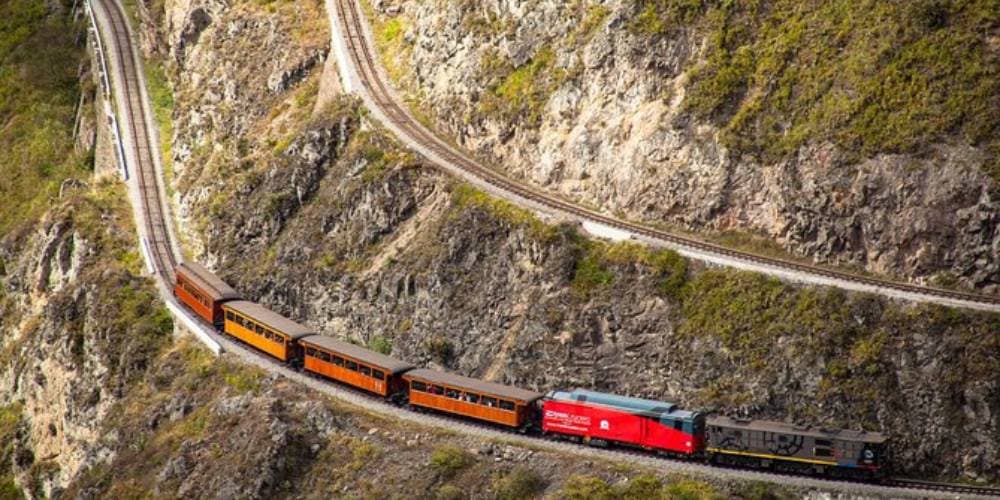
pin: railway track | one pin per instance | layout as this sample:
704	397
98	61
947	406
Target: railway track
156	228
961	489
364	60
137	140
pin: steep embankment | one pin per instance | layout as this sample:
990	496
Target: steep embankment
299	202
98	400
797	123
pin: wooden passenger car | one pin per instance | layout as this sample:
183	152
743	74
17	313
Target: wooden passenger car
469	397
202	292
353	365
264	329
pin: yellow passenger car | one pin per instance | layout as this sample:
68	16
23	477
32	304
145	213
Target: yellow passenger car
263	329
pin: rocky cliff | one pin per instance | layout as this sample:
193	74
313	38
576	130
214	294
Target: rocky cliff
314	211
787	122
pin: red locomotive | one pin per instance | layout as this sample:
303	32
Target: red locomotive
601	419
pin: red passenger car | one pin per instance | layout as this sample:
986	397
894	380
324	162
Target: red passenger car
599	419
202	292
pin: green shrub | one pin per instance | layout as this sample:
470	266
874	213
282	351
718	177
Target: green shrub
448	460
590	274
449	492
585	488
380	344
517	484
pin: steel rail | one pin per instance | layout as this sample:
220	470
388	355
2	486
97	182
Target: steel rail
368	71
140	145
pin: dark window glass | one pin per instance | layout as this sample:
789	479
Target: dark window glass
451	393
365	370
435	389
351	365
339	361
324	356
229	315
488	401
678	425
782	439
823	452
378	374
418	386
472	398
310	352
260	331
506	405
823	442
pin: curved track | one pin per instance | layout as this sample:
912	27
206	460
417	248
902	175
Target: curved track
380	95
155	229
138	140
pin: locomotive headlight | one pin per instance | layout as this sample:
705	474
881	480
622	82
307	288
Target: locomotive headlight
688	444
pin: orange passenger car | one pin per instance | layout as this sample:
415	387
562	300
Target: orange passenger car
469	397
353	365
202	292
264	329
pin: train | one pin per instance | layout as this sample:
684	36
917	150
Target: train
580	415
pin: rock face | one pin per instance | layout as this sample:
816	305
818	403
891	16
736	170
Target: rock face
572	97
311	210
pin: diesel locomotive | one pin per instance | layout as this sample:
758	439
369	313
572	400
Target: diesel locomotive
580	415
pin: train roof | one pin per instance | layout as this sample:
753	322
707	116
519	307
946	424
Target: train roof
801	430
378	360
270	318
207	281
647	407
476	385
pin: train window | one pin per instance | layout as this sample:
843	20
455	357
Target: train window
472	398
351	365
365	370
678	425
339	361
488	401
782	439
229	315
260	331
451	393
823	452
310	352
435	389
418	386
324	356
823	442
506	405
378	375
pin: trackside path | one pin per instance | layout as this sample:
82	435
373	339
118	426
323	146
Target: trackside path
362	73
159	248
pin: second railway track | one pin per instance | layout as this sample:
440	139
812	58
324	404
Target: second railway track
364	60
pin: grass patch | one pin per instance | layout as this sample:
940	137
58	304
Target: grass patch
162	99
778	78
39	91
380	344
641	487
519	483
524	90
448	460
465	196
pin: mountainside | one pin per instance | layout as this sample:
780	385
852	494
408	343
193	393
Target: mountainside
317	213
284	186
854	133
